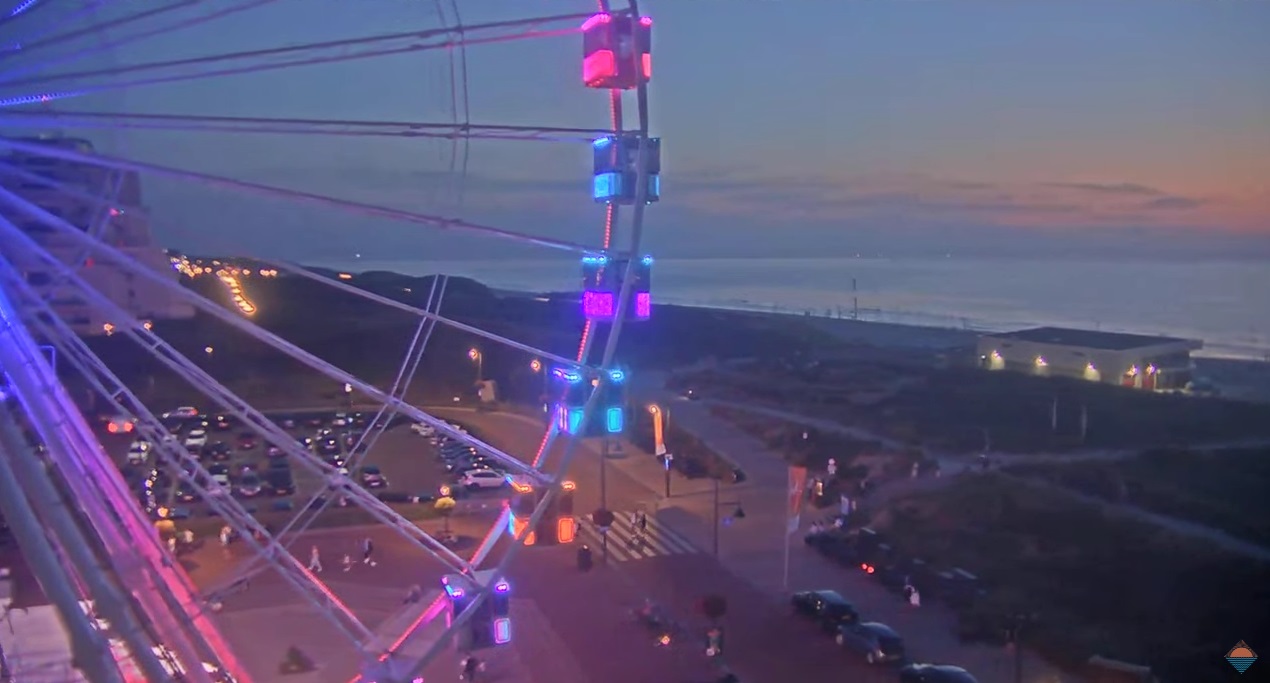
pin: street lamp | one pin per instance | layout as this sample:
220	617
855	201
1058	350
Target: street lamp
659	441
535	365
475	355
208	350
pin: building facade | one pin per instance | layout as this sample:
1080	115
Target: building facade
1130	360
90	198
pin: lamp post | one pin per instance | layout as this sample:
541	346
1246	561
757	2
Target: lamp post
475	355
348	396
659	441
739	514
535	365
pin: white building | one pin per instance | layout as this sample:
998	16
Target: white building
80	194
1131	360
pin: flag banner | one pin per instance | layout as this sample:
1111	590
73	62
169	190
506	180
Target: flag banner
797	486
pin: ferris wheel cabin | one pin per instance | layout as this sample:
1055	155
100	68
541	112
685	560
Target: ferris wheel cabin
602	284
557	524
617	51
609	415
615	169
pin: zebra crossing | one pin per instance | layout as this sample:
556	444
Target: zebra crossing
626	543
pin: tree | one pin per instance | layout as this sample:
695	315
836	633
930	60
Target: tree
445	507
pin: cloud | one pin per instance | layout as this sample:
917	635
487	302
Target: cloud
1109	188
1173	203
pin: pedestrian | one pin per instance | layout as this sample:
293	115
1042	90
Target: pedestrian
172	544
915	598
315	560
469	667
415	594
225	533
643	523
347	562
368	547
187	537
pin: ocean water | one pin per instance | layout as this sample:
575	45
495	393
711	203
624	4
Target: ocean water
1224	303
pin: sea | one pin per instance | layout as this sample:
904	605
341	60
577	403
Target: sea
1224	303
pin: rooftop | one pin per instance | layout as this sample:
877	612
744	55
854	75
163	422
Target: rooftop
1091	339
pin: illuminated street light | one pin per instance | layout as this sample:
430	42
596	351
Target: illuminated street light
208	350
479	359
535	365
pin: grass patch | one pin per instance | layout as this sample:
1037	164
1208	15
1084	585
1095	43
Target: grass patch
1100	584
1223	489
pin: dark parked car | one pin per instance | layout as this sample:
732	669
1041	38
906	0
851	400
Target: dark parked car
280	482
935	673
219	451
372	478
247	441
829	609
877	642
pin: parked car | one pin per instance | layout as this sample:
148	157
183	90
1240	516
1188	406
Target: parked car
222	423
250	485
138	452
827	608
280	482
247	441
182	413
196	439
482	479
935	673
372	478
877	642
219	451
219	474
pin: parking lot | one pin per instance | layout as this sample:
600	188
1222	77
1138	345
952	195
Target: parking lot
400	466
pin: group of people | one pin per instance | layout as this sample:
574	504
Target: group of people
368	557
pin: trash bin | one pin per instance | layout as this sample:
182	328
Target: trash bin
585	561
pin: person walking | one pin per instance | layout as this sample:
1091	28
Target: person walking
315	560
469	667
347	562
368	548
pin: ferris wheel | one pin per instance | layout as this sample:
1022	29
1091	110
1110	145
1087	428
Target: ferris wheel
65	206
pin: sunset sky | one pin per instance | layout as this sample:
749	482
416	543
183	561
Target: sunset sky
790	127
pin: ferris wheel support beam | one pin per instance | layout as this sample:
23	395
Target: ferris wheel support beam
62	428
437	222
89	9
149	33
173	454
441	35
318	502
337	483
225	124
414	310
54	511
89	647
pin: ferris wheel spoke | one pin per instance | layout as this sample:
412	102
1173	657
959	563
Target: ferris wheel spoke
34	36
407	308
319	502
438	222
337	483
310	53
296	126
191	472
99	27
107	253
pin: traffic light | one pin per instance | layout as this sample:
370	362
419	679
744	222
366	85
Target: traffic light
714	642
